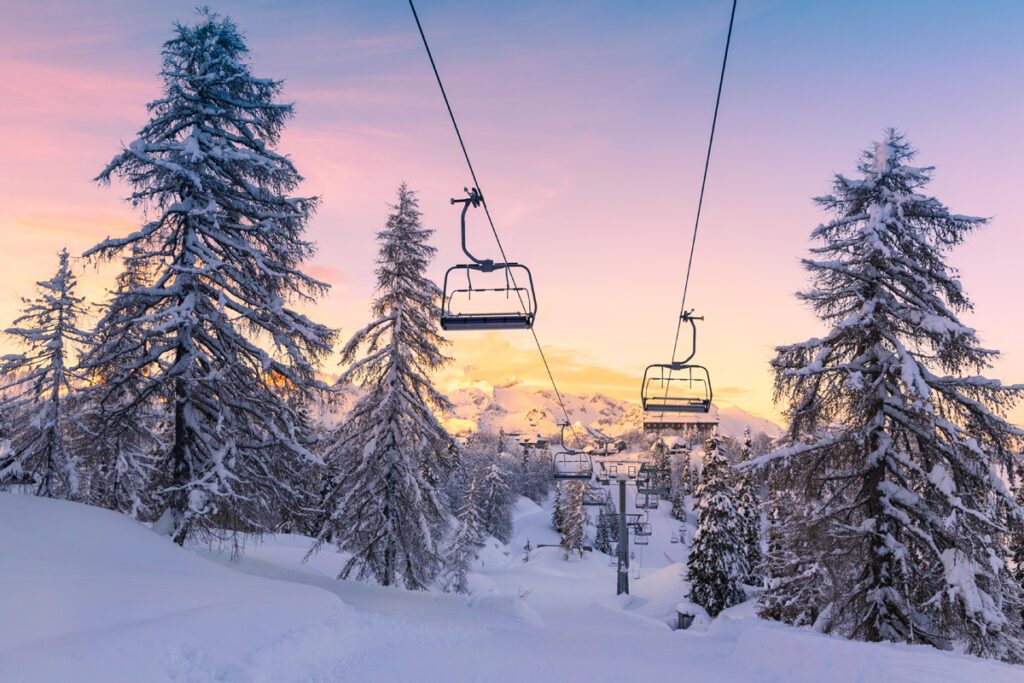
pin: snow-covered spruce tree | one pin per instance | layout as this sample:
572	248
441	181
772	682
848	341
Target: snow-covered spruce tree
750	515
384	506
123	435
573	518
556	507
222	255
607	532
469	537
900	447
33	397
1015	536
496	500
680	484
718	563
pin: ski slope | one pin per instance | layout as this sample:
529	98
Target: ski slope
87	595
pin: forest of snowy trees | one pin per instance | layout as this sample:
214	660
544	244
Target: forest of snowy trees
192	398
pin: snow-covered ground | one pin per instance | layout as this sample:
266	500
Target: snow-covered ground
88	595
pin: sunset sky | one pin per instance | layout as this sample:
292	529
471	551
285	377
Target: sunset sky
587	123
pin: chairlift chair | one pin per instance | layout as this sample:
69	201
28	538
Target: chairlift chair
515	311
641	540
646	501
679	386
570	463
595	497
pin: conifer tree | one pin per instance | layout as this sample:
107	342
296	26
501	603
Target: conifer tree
717	564
607	532
573	518
384	506
751	514
221	252
496	501
35	388
897	444
469	537
681	486
1015	540
556	509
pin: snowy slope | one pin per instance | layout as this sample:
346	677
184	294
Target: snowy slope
89	596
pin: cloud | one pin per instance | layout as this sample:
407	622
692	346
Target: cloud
494	359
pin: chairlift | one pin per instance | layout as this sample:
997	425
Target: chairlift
679	386
570	463
646	501
641	540
508	304
642	530
595	497
674	538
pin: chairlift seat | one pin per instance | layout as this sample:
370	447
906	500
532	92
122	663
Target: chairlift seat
573	465
486	321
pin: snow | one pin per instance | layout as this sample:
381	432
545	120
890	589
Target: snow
90	595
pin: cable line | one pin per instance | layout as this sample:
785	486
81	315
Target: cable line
703	182
487	212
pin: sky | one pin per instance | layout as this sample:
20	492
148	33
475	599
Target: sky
587	123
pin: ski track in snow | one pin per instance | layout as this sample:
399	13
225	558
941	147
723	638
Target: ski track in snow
91	596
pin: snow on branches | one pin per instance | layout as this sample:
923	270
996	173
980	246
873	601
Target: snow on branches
33	402
392	452
216	336
896	449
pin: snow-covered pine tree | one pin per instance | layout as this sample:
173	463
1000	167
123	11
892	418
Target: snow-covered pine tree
751	514
33	397
607	532
469	537
1015	535
661	476
897	443
718	563
680	484
556	507
384	506
496	501
536	482
574	519
123	435
222	253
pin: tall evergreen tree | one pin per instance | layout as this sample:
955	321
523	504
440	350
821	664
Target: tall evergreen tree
717	564
750	515
35	387
607	532
1015	533
896	441
222	255
469	537
384	506
574	519
557	505
496	501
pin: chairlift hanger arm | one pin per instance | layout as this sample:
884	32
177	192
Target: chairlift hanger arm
474	199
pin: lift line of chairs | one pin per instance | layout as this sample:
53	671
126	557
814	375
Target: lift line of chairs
511	304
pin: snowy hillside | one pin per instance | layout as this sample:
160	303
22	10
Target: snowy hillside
90	596
530	410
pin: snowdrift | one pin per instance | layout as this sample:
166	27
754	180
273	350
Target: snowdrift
89	596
